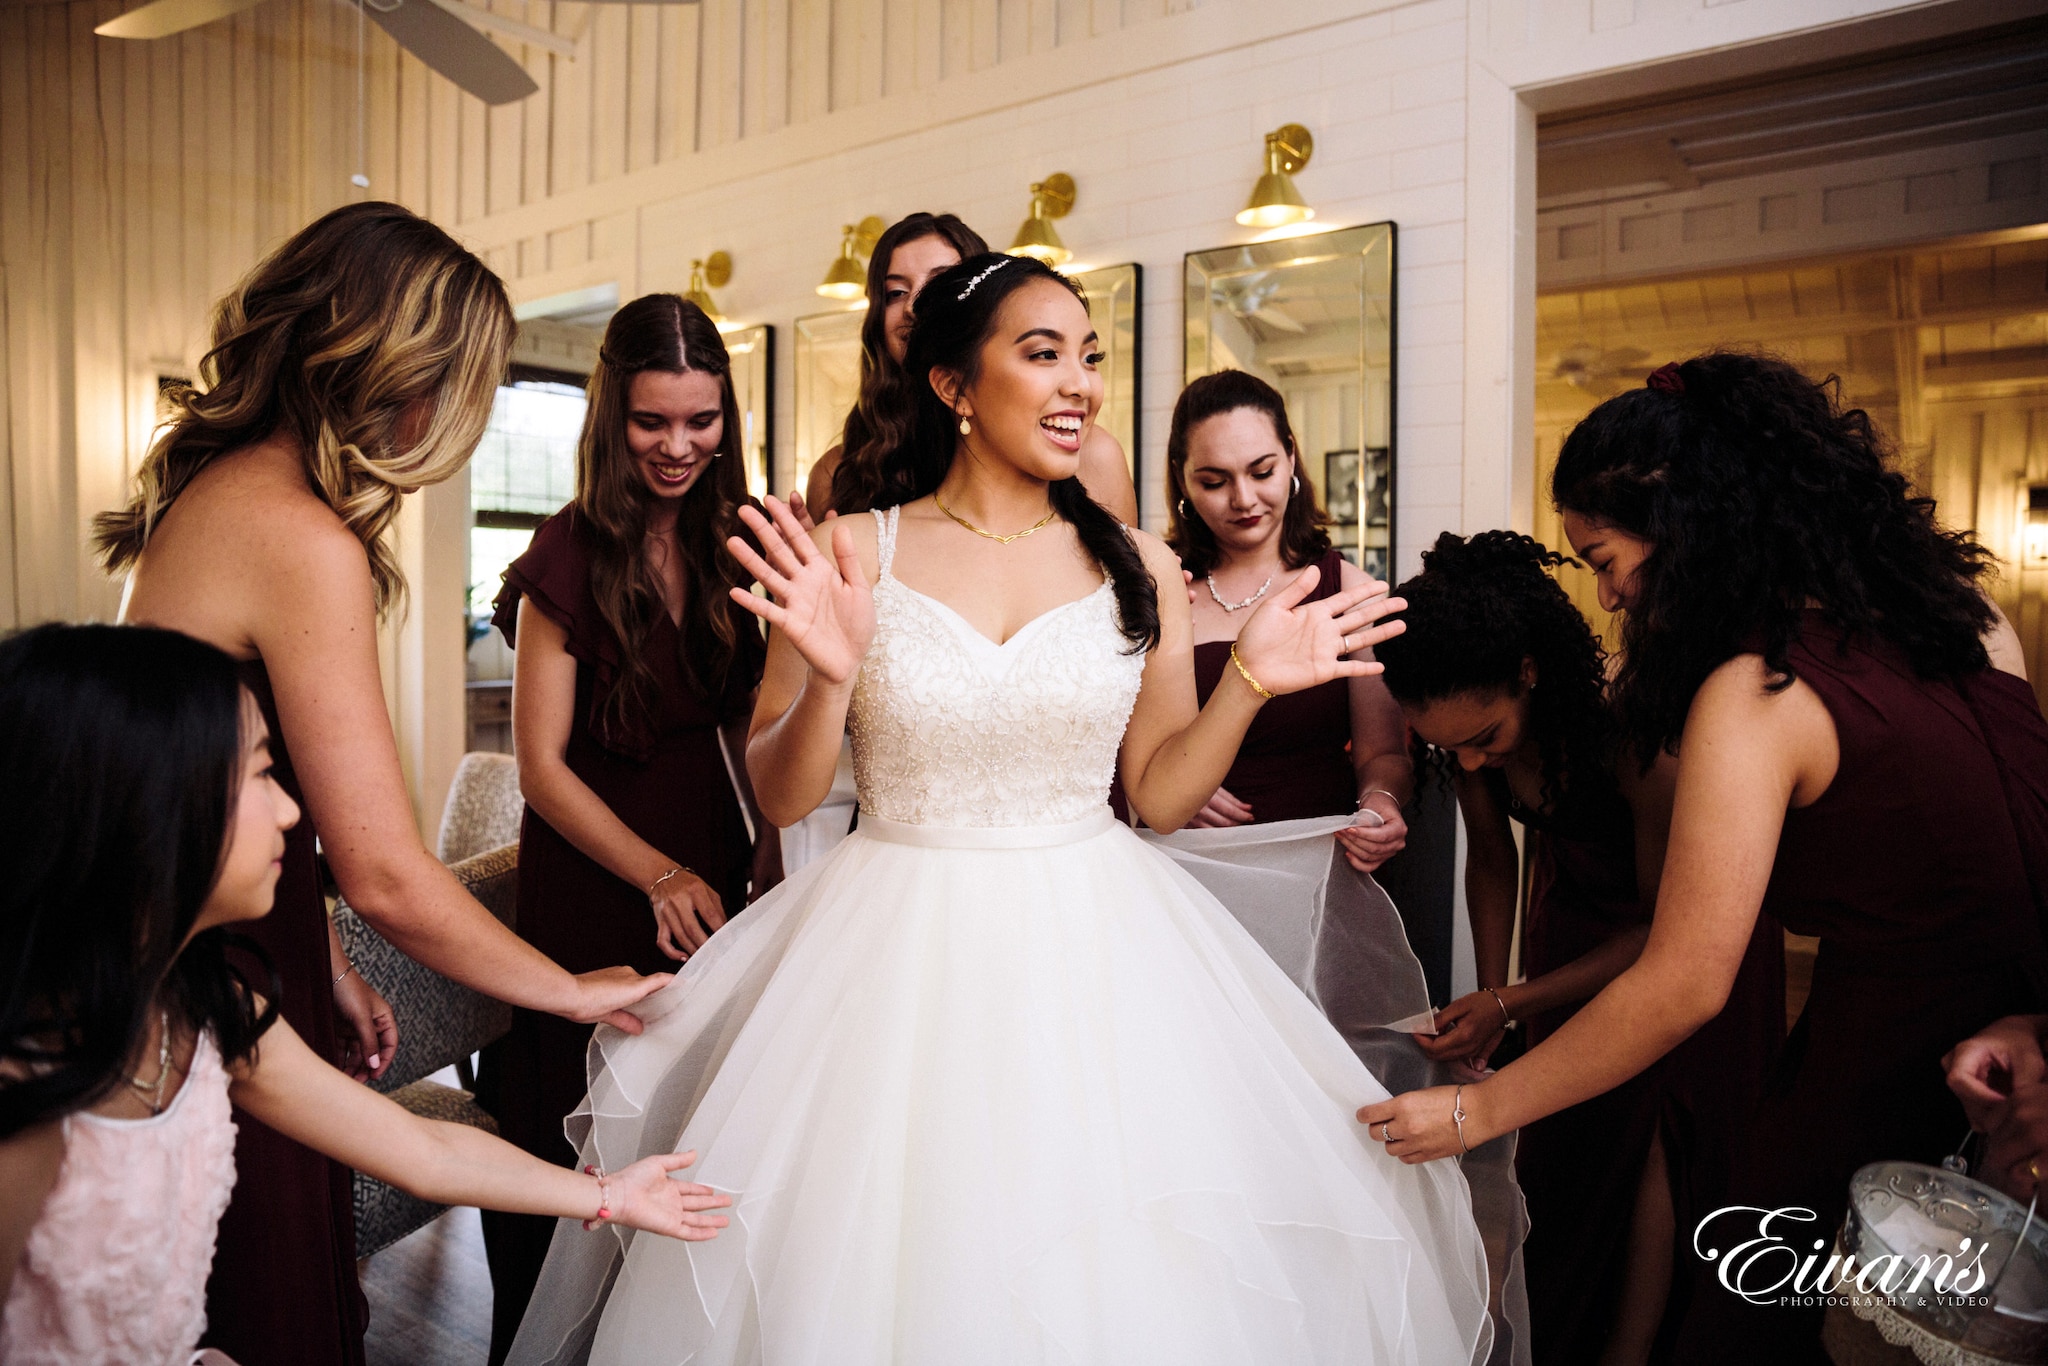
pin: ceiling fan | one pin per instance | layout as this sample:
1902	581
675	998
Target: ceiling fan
1585	366
1253	298
434	31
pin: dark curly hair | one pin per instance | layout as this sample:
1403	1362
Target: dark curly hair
956	313
1303	539
1475	612
121	753
1760	494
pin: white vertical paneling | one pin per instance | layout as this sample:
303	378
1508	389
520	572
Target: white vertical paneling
985	37
677	91
643	79
608	88
720	64
768	66
956	29
899	47
569	116
535	132
810	59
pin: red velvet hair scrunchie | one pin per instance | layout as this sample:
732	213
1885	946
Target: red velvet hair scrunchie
1665	379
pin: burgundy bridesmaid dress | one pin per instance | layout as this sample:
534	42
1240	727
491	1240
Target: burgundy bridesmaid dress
1295	761
1913	870
283	1290
665	776
1580	1168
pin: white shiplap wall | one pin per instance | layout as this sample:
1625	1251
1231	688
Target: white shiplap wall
138	181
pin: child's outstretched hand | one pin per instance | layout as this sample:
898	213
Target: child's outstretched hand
644	1195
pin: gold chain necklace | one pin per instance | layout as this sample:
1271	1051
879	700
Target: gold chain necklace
153	1091
1044	521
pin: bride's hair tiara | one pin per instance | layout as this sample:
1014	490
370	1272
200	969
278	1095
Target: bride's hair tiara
961	297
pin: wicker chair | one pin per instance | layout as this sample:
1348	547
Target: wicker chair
484	807
440	1024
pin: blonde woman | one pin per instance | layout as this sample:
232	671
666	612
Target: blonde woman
355	365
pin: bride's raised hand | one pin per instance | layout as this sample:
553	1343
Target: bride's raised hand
1289	644
822	604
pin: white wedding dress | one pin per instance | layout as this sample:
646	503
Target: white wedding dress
995	1083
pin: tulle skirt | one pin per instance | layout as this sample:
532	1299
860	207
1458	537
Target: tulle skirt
1007	1096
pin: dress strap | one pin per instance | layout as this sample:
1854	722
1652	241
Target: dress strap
885	537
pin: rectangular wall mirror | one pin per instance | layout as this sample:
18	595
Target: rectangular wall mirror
1115	294
753	387
827	383
1314	317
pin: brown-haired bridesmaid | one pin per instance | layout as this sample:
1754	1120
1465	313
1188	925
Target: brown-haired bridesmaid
355	365
1245	525
632	659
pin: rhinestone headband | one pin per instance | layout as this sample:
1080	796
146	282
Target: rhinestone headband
961	297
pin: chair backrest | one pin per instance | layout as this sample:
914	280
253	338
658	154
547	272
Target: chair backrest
439	1022
484	807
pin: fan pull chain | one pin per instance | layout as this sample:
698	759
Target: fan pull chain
361	179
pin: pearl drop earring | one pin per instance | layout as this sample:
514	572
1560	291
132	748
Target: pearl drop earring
966	427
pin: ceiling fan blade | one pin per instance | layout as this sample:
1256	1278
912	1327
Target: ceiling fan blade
453	48
165	17
1279	318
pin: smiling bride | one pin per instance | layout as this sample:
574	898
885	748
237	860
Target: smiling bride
995	1082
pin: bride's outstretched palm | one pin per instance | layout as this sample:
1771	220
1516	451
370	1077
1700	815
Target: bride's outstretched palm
1290	645
822	604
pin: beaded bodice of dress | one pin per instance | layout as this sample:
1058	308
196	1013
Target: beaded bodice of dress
951	729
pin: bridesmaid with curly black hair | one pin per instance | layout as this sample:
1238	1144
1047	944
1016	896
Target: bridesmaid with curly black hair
1499	669
1859	756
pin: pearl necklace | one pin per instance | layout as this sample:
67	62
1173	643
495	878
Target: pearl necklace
1237	606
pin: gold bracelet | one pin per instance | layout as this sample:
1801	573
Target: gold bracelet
655	885
1247	675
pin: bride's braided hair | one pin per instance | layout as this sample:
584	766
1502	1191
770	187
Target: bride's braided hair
1475	612
956	312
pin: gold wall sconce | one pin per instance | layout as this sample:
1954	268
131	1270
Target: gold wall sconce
847	277
1275	203
712	272
1051	198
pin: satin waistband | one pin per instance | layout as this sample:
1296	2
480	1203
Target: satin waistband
985	837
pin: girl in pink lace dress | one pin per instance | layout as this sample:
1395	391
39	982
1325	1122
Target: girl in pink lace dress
141	821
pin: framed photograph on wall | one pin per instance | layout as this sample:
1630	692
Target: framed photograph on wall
1340	500
1376	513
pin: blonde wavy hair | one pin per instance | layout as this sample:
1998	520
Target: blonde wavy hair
335	340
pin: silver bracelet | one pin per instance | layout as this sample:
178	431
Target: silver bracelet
1505	1018
344	972
1399	805
655	885
1458	1116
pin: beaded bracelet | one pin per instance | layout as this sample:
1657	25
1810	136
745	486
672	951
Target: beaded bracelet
604	1196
